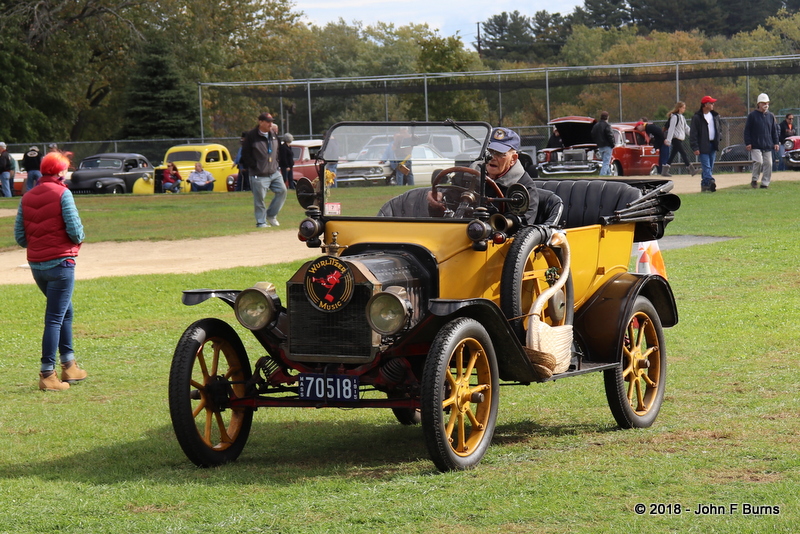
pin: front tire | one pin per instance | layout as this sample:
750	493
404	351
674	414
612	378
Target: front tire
210	366
635	390
460	395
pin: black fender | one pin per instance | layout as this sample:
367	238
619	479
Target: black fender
192	297
600	323
512	362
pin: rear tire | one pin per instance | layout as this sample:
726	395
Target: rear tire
635	390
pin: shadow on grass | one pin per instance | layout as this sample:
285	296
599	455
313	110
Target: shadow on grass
278	453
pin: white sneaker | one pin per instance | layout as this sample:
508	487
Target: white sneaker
265	225
273	221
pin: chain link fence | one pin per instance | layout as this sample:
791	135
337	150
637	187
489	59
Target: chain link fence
534	138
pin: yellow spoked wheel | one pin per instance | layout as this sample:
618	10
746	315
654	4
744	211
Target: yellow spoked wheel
209	367
528	270
635	390
459	395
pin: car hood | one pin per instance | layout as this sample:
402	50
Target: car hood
574	130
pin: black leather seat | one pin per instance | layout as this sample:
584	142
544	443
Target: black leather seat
585	201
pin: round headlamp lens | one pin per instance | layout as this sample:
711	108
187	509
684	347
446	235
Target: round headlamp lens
254	309
387	313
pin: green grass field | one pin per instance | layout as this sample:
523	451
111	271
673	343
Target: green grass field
102	456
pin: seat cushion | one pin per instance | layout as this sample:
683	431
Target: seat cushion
586	201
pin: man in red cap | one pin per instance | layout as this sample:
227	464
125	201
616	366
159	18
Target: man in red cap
704	139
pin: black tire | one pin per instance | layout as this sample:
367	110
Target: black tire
407	416
116	190
459	410
616	169
635	390
519	288
209	365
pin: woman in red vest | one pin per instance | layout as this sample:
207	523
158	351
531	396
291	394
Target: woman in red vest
49	226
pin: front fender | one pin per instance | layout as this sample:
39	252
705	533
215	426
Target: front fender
601	322
512	362
192	297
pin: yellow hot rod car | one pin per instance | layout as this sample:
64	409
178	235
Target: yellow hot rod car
427	315
214	157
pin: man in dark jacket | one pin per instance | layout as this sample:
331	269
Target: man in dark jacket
603	137
704	139
656	135
260	158
760	139
32	160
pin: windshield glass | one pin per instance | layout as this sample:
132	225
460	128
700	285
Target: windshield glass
184	155
370	164
101	163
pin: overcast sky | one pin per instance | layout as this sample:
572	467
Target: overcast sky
447	16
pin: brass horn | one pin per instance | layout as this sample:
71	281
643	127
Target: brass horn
503	223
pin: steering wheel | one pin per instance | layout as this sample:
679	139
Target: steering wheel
460	201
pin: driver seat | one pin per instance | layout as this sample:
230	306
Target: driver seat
411	204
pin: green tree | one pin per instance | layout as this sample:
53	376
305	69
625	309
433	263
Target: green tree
159	103
447	54
606	14
507	36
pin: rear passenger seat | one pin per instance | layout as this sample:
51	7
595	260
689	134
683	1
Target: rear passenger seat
585	201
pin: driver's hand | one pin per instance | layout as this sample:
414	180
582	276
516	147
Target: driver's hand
436	207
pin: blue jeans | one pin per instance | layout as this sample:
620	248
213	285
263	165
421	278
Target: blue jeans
202	187
57	285
605	154
33	177
707	163
663	157
5	184
261	185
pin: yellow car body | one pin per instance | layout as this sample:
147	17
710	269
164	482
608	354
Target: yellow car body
215	158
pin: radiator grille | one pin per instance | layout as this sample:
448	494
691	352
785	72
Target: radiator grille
342	334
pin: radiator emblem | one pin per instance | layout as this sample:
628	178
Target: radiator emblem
329	284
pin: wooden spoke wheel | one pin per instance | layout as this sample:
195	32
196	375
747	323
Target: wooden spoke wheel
460	395
635	390
209	367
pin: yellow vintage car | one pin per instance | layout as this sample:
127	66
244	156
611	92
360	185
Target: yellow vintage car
215	158
426	315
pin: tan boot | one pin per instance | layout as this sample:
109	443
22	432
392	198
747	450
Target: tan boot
71	373
51	382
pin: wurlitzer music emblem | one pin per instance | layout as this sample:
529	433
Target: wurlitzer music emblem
329	284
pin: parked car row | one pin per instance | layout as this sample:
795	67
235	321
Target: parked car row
632	154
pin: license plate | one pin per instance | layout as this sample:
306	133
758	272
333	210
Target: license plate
328	387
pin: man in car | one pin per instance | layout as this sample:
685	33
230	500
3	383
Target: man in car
503	167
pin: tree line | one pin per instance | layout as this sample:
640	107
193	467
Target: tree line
128	69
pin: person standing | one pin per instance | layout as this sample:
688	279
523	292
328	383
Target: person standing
760	139
656	135
242	180
201	180
6	171
677	130
788	129
49	226
286	160
704	137
260	158
32	161
603	137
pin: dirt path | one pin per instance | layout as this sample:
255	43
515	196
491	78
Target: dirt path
256	248
166	257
